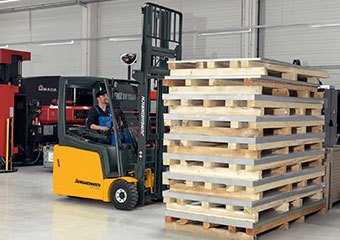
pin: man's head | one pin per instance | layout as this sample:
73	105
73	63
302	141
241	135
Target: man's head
102	97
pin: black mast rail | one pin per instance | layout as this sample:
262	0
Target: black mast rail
162	40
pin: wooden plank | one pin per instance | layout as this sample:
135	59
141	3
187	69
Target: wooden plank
276	141
250	62
275	84
218	71
211	232
216	90
253	163
286	69
216	172
284	182
286	162
288	218
215	110
254	125
217	131
214	151
271	145
267	118
256	103
216	212
232	96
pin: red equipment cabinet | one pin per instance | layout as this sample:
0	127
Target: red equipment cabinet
6	56
74	114
10	74
6	111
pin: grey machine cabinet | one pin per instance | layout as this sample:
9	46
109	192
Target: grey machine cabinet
332	146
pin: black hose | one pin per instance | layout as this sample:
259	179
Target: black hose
30	163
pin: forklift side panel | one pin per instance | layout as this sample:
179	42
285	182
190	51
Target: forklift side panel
77	173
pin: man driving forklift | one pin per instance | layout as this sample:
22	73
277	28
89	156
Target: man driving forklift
130	171
100	116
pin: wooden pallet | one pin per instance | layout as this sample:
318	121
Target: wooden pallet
296	123
249	164
245	144
240	210
241	171
270	90
213	228
251	188
212	129
246	66
239	105
248	147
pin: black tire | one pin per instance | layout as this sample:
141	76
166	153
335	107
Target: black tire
124	195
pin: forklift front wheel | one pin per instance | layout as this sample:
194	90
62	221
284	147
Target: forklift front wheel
124	195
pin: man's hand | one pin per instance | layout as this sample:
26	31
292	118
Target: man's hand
104	128
99	128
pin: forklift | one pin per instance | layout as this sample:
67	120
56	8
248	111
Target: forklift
127	172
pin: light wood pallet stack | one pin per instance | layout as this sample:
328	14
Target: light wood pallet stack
245	146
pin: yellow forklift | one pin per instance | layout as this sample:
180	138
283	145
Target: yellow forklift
128	172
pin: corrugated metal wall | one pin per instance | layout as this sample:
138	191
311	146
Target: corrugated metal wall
314	46
46	25
124	18
116	18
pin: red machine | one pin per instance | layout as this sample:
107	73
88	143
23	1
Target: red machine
13	58
6	112
10	77
74	114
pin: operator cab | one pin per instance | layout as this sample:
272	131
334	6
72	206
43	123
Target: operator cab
123	103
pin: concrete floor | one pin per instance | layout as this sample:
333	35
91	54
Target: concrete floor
30	210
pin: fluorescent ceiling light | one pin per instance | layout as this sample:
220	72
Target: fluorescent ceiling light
122	39
56	43
325	25
5	46
7	1
224	32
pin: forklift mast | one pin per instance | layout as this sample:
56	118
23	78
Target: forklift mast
161	41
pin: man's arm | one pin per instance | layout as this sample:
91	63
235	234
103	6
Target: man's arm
97	127
92	121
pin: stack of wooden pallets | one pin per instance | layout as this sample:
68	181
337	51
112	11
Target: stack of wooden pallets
244	148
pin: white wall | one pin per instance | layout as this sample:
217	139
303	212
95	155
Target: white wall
45	25
199	15
314	46
114	18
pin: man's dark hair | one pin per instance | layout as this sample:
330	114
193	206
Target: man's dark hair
101	93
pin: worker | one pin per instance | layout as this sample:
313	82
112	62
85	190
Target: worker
100	116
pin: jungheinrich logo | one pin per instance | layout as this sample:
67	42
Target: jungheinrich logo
42	88
92	184
142	116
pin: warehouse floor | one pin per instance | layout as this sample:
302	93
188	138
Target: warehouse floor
30	210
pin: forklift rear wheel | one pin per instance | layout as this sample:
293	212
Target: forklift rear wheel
124	195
